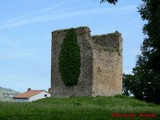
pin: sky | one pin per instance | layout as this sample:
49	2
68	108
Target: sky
25	35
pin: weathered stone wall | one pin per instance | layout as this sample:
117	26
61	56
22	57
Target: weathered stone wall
110	40
107	79
101	64
83	88
107	65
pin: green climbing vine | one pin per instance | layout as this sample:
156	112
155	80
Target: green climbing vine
69	59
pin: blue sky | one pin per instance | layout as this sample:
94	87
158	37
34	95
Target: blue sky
25	35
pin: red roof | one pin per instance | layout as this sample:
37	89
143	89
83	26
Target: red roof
28	94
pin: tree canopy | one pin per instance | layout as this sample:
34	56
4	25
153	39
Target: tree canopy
144	84
110	1
146	73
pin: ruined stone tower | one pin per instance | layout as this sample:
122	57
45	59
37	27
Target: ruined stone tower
101	64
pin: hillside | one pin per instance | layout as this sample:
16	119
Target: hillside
7	94
9	91
81	108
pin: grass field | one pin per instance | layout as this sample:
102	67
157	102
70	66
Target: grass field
81	108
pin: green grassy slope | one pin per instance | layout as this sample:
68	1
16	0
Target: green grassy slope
80	108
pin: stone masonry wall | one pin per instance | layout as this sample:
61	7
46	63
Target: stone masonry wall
101	64
84	85
107	65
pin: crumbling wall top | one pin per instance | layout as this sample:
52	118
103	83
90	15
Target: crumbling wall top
107	42
78	28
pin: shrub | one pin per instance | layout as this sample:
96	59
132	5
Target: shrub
69	59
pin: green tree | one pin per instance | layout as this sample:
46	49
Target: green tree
147	69
145	81
127	83
132	87
69	59
110	1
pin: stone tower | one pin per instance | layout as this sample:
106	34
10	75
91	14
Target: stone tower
101	64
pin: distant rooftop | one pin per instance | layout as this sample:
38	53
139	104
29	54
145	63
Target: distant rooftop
28	94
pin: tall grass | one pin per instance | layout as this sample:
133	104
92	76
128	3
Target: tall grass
78	108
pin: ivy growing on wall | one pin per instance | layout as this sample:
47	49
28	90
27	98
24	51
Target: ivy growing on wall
69	59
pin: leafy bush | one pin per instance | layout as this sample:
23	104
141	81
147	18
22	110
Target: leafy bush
69	59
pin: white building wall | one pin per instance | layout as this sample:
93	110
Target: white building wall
39	96
21	100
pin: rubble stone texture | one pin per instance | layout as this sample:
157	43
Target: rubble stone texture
101	64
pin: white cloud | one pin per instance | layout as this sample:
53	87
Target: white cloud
19	53
51	7
41	17
35	16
